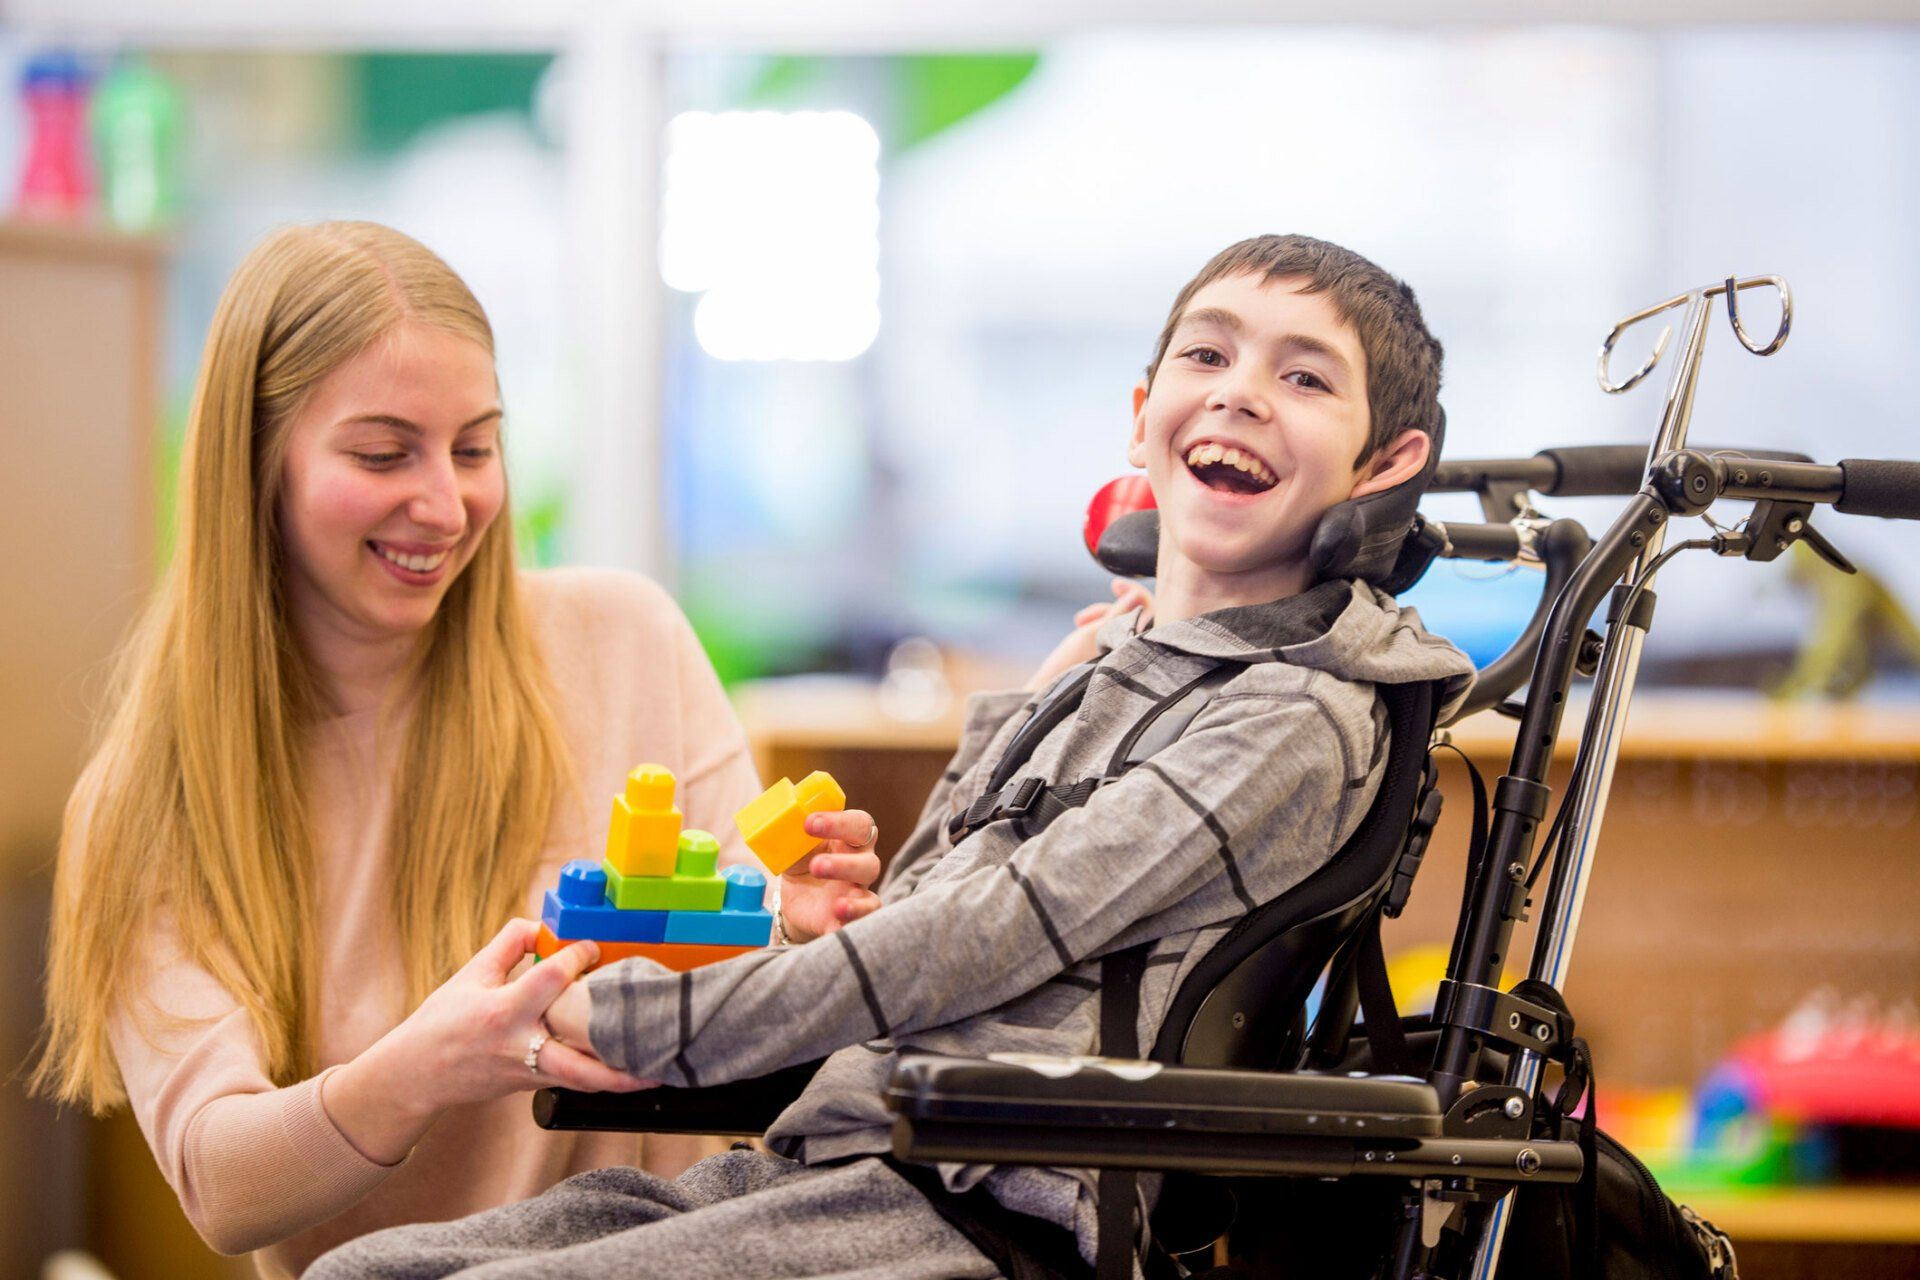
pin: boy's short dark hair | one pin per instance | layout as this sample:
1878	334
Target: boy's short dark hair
1403	358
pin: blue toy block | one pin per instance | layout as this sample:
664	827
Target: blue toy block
746	889
721	928
742	920
602	922
583	883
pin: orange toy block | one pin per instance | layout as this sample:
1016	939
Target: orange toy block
774	825
678	956
643	836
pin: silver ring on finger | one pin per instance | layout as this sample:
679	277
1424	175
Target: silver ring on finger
873	837
534	1046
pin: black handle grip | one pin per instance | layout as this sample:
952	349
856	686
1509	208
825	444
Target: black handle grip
1879	487
1594	470
1482	541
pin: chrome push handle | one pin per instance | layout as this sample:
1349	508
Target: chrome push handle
1731	287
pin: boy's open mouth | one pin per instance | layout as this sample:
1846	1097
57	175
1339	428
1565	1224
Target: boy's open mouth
1227	469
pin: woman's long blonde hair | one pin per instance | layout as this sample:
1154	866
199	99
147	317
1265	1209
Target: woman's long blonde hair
193	802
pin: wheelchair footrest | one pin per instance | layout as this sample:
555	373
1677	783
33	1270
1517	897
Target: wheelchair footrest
1103	1113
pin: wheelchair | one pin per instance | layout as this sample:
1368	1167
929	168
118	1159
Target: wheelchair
1434	1128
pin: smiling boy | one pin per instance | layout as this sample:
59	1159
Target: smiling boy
1291	375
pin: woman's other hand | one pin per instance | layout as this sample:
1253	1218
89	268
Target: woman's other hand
470	1042
1080	646
829	887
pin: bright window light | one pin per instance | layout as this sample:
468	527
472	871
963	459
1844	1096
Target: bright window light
774	218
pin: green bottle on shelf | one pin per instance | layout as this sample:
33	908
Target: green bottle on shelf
136	136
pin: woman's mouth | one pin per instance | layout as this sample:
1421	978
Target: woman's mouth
1228	469
417	568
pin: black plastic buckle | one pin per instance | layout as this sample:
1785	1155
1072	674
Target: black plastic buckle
970	819
1401	887
1024	796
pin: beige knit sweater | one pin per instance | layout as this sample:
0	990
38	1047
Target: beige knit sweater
264	1169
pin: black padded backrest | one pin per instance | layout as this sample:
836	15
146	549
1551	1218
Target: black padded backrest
1242	1005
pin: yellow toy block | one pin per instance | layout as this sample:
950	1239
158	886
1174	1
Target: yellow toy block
643	836
774	825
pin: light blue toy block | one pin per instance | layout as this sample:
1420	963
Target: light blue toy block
582	884
742	920
720	928
746	889
602	921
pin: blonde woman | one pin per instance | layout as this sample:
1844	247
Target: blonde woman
351	742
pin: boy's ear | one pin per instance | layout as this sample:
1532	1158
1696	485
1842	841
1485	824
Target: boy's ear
1398	461
1137	442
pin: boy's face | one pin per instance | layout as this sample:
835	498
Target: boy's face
1250	429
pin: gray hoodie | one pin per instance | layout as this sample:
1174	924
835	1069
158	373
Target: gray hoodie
994	945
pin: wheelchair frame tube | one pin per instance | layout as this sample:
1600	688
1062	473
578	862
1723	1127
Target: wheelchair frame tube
1613	692
1481	940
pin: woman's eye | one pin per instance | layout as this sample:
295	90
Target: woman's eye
478	453
378	459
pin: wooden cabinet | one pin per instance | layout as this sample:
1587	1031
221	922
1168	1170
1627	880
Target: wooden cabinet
80	353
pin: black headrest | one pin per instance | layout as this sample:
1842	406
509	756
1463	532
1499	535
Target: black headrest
1362	537
1358	538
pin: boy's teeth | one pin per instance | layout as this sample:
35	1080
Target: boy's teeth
419	564
1205	454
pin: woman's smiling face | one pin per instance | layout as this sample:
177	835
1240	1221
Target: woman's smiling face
392	474
1253	426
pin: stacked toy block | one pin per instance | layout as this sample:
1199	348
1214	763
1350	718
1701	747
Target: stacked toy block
658	893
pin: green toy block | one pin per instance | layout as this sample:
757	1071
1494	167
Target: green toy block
665	893
699	854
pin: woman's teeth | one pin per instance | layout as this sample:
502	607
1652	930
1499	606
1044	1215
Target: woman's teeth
419	564
1207	454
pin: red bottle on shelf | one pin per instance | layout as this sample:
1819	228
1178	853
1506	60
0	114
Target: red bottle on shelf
56	181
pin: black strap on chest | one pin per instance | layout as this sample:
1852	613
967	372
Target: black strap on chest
1117	1190
1031	802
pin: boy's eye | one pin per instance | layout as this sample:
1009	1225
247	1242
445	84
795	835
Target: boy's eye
1305	379
1205	355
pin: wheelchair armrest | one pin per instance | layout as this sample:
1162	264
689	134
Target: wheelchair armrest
1108	1114
737	1107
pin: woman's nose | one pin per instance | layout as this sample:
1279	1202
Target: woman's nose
438	504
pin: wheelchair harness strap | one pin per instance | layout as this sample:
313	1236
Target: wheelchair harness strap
1118	1190
1031	803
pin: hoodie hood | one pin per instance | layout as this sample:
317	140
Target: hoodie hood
1343	627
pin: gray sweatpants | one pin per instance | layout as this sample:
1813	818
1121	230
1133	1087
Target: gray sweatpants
737	1216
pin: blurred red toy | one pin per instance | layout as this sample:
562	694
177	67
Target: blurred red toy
1116	498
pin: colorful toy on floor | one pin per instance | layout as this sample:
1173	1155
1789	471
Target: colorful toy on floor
659	892
775	825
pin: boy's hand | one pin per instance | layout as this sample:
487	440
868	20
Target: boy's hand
569	1015
1079	646
828	888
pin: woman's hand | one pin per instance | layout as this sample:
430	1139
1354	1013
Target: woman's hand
468	1042
1080	646
828	888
